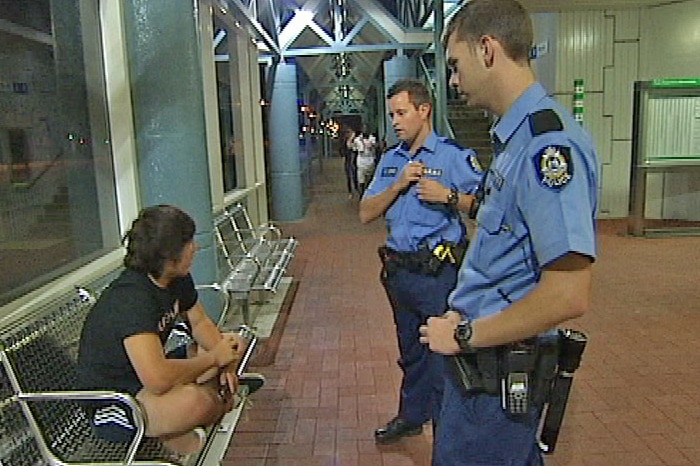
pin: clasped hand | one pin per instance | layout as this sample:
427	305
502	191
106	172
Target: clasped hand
227	353
438	333
429	190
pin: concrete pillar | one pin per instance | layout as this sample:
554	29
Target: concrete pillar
166	76
285	166
396	68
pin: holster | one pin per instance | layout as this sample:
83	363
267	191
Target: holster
520	373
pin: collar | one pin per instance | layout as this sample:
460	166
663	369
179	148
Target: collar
516	114
430	144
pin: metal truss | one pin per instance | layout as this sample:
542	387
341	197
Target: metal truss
315	33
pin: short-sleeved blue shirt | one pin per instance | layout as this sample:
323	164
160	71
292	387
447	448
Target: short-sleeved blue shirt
540	204
412	223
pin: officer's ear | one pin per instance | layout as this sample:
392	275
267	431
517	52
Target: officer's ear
425	110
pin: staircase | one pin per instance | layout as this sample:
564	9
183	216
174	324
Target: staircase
54	220
471	129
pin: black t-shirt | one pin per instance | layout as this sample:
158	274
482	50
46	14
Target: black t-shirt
130	305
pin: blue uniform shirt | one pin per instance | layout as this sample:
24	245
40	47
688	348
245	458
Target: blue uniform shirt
540	204
412	223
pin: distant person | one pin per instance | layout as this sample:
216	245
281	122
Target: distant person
365	161
347	151
122	342
419	187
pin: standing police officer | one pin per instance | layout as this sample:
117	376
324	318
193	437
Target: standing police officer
419	186
529	268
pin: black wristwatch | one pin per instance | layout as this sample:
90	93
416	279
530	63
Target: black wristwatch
463	335
453	198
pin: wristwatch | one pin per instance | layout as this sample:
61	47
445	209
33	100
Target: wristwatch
463	334
453	197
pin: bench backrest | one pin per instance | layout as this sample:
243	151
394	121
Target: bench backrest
229	243
243	226
41	356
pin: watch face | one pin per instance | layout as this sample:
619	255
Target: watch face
453	198
464	331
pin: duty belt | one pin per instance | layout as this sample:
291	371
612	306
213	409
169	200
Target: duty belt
423	261
531	375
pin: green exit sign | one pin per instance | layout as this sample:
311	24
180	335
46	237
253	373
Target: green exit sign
676	82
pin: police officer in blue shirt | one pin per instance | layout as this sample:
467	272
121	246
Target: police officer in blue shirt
529	267
419	186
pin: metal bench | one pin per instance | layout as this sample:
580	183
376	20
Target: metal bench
42	421
254	259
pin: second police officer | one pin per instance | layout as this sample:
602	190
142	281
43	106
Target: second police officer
419	187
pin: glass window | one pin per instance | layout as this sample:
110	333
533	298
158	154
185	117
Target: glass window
229	145
57	196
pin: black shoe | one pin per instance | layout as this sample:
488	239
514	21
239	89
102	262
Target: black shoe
395	429
252	380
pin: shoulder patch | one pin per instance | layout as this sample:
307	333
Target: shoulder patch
545	121
554	167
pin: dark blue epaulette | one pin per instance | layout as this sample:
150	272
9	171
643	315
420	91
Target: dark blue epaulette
451	142
545	121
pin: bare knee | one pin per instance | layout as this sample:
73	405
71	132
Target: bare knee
202	403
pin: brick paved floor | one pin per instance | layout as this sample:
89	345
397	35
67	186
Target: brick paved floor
635	399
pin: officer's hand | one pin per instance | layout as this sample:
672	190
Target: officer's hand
411	172
432	191
453	316
439	335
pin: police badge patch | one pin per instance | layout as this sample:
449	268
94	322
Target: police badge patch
554	166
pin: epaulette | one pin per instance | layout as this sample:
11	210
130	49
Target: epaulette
451	142
545	121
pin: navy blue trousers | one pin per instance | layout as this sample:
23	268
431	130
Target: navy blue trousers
414	297
475	431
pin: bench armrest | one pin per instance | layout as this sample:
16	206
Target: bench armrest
268	228
86	395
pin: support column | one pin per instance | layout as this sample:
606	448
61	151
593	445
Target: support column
285	166
440	104
165	68
396	68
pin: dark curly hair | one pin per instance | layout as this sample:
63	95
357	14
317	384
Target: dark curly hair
159	234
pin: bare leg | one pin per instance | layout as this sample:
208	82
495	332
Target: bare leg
174	415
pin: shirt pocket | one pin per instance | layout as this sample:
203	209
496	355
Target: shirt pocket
488	246
490	218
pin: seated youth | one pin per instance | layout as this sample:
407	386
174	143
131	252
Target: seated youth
122	343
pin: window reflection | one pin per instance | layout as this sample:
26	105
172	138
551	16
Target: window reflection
57	196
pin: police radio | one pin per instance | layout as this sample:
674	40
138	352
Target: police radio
518	364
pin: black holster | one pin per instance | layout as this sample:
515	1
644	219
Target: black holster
520	373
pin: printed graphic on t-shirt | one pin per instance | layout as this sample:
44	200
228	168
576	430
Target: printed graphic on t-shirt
169	317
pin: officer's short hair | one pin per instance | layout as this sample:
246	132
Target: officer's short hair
159	234
506	20
418	93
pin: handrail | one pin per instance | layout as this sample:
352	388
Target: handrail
431	87
47	167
